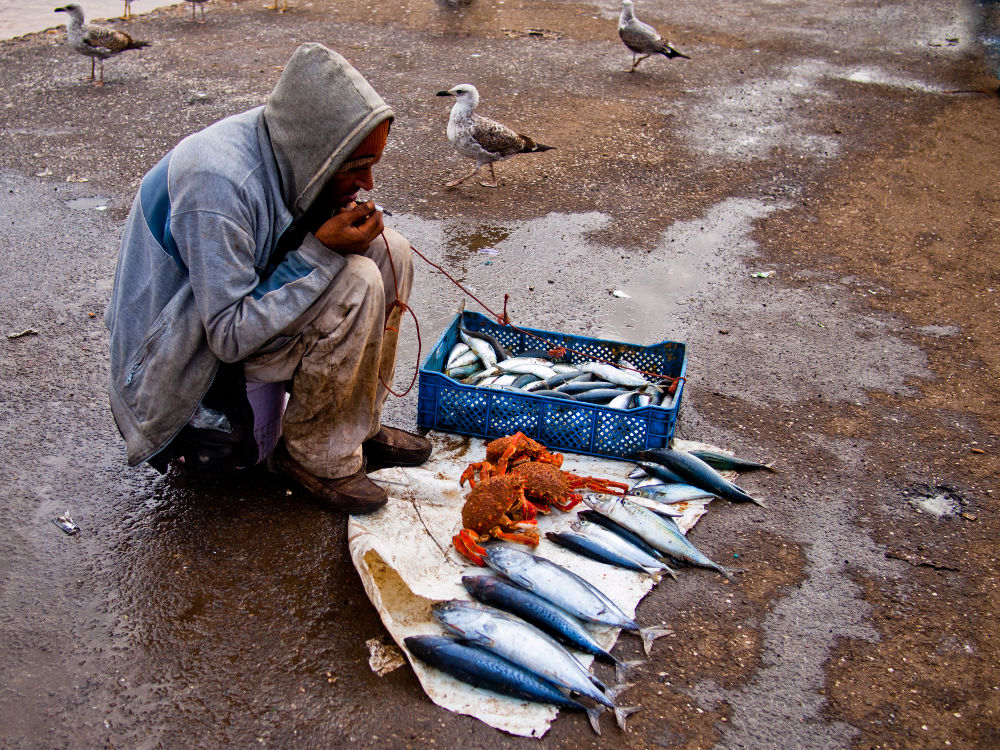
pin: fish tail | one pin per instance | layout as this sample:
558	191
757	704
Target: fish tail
594	714
623	712
728	572
650	634
770	467
622	668
669	571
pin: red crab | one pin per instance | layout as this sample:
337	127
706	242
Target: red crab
495	509
505	499
518	448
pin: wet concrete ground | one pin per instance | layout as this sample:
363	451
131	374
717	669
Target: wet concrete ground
813	141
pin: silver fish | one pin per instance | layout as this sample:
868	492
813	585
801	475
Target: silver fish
483	350
508	365
615	375
523	644
617	543
456	351
540	371
622	401
669	493
661	533
468	357
565	589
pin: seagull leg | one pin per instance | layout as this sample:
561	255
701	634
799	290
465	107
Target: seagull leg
494	176
92	69
635	63
460	180
101	82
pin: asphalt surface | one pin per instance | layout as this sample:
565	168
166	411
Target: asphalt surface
803	203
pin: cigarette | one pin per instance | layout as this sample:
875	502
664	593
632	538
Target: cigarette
379	208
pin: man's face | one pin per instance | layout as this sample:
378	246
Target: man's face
341	189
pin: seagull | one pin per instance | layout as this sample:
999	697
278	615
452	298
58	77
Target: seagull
96	42
481	138
641	38
200	4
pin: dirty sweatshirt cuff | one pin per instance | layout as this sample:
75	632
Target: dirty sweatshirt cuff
319	255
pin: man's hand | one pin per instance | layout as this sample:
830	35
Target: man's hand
350	231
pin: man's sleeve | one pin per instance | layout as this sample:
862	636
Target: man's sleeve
240	310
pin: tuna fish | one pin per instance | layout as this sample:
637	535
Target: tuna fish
661	533
541	613
484	669
525	645
600	550
692	470
565	589
722	462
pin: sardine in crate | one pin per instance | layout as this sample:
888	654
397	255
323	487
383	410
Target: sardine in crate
450	406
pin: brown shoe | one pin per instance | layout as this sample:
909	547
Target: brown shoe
392	447
355	494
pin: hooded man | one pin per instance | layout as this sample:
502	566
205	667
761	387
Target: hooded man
246	257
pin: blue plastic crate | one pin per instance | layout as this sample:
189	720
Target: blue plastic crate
450	406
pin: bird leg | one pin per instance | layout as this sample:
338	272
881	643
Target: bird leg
93	61
101	82
494	176
460	180
635	63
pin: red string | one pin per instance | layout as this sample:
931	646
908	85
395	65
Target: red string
397	303
553	349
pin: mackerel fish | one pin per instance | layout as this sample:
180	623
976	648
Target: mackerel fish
565	589
484	669
525	645
662	533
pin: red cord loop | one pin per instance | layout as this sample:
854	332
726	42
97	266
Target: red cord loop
388	313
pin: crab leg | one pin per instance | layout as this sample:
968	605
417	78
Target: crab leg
467	543
528	539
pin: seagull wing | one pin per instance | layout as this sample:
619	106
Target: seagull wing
639	36
103	38
497	138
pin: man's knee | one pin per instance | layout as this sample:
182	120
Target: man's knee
402	257
362	274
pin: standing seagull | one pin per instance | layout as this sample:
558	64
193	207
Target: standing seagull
481	138
96	42
201	4
641	38
128	10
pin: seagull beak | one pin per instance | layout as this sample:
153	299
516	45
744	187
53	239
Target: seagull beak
59	10
445	93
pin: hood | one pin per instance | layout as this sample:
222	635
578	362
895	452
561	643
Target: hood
319	112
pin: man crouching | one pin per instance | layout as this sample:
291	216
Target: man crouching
247	258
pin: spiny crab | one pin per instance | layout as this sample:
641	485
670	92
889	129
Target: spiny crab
505	500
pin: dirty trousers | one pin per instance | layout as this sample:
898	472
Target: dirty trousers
333	354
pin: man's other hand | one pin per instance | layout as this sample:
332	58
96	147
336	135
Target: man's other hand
350	231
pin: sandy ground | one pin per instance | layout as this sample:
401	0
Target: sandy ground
818	142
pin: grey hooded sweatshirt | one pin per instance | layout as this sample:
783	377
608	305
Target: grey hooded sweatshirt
196	282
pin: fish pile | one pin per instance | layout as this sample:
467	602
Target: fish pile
478	359
515	637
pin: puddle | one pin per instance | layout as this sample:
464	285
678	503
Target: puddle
693	286
88	204
940	501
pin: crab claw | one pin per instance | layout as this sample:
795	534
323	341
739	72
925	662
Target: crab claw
530	539
531	509
467	543
569	502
